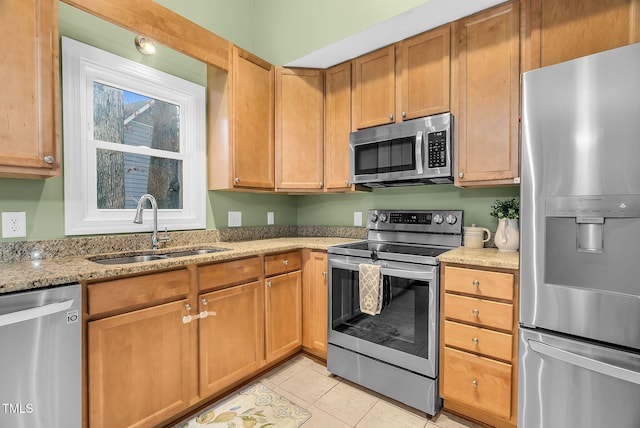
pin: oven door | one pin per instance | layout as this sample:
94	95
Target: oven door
405	333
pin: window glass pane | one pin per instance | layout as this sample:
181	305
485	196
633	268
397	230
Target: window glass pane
123	177
124	117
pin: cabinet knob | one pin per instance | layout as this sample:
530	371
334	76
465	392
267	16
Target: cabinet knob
204	301
474	383
476	282
390	117
321	184
346	183
475	312
187	307
475	341
461	175
48	159
286	262
269	284
324	274
236	180
404	114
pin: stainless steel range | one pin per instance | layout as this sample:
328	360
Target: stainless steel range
394	352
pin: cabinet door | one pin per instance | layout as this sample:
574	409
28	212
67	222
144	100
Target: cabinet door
283	314
138	367
561	30
299	129
231	337
374	88
252	120
315	303
337	126
29	105
488	96
422	68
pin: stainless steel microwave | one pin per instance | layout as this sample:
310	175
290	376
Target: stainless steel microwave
418	151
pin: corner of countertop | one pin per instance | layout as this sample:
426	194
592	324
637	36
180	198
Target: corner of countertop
484	257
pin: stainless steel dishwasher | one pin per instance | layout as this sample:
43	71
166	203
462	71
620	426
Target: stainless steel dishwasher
40	358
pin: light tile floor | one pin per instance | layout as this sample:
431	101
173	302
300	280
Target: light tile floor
337	403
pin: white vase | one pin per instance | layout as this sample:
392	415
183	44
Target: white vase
507	237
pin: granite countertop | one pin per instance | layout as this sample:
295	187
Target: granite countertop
485	257
27	275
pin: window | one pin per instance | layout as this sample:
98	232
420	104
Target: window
129	130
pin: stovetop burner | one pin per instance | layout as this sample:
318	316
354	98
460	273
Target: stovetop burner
407	236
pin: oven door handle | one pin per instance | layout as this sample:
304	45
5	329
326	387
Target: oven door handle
428	274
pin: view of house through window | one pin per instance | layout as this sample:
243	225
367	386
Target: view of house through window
124	119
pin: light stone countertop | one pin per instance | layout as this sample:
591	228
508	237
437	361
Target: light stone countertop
21	276
484	257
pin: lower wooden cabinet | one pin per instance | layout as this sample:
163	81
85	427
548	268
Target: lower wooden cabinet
139	357
231	336
315	305
283	312
479	343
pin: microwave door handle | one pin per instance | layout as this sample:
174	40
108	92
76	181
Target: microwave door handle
419	161
585	362
35	312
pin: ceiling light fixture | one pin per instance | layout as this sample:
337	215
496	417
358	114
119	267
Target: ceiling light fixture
145	45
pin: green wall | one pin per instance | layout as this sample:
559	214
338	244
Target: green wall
279	31
337	210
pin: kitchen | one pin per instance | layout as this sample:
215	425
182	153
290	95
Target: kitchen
43	203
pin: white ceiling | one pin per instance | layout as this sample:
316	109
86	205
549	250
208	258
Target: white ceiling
414	21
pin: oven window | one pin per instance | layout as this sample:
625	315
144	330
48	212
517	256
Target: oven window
402	324
385	156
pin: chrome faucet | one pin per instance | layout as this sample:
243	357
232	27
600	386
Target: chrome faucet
155	239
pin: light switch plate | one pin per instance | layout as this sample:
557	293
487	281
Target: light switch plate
235	219
270	217
357	218
14	224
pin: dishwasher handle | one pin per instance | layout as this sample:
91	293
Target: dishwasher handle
585	362
35	312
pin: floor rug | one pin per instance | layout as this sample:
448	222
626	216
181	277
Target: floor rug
256	406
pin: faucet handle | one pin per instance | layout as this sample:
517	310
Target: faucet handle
165	237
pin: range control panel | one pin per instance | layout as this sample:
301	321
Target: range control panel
440	221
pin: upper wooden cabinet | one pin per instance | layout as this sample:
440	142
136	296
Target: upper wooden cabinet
241	119
299	131
486	82
561	30
29	84
404	81
373	100
422	74
337	125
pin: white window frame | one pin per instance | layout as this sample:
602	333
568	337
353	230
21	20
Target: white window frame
82	65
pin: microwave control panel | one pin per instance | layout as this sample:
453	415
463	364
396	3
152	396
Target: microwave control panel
437	149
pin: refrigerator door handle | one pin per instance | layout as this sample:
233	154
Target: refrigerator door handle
35	312
585	362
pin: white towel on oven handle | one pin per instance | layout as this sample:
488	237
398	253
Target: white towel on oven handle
370	282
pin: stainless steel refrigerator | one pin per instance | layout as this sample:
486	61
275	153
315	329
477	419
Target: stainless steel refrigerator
579	348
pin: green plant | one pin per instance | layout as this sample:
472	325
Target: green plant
509	208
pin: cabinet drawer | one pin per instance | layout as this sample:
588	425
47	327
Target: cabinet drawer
275	264
477	311
233	272
481	283
478	382
488	342
136	292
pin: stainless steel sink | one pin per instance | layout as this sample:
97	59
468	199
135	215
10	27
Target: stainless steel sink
138	258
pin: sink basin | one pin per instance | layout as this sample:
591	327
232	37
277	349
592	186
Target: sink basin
162	256
130	259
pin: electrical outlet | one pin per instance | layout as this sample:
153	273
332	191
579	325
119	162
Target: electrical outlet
357	218
235	219
14	224
270	217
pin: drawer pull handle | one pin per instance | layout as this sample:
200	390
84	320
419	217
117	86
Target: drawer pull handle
269	284
286	262
475	312
476	282
204	301
187	307
475	341
474	383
